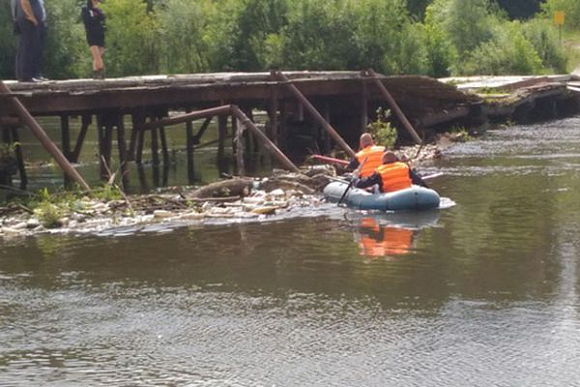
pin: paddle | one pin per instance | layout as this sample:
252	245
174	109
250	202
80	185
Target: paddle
354	177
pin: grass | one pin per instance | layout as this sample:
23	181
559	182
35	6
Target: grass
571	43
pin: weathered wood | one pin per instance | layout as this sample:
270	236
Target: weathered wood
364	111
164	149
46	142
154	145
65	136
240	146
204	126
222	132
220	110
225	188
85	122
19	158
122	145
393	104
189	139
273	115
312	110
281	157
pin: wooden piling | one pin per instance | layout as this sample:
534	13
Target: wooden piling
364	111
19	157
65	136
240	146
46	142
247	123
154	146
273	115
85	122
393	104
123	157
312	110
189	147
222	133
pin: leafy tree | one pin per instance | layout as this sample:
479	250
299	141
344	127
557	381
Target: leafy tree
440	52
132	36
570	7
507	54
7	42
319	35
182	23
66	53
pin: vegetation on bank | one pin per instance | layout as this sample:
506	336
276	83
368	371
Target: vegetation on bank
431	37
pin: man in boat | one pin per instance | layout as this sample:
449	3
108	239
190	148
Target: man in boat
392	175
370	154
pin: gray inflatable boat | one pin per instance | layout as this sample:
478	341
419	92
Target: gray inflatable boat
411	199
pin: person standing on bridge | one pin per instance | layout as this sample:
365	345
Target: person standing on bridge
28	14
94	21
370	152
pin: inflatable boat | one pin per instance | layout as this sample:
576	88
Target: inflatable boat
411	199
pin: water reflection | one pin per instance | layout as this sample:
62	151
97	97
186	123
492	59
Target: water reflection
392	234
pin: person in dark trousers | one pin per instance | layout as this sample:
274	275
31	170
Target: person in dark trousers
28	15
391	176
38	61
94	21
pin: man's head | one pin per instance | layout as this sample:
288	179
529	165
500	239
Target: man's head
366	140
388	157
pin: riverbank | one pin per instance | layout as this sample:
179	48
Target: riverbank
281	195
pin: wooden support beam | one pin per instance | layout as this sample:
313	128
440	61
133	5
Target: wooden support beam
140	142
123	161
19	158
222	133
389	98
273	115
46	142
204	126
239	140
312	110
155	146
164	149
65	132
281	157
86	120
189	140
137	121
188	117
364	111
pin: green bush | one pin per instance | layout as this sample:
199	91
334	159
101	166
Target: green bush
382	130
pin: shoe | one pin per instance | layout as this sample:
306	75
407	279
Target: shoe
98	74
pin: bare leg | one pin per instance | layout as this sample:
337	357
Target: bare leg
97	53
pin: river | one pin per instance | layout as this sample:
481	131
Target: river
484	293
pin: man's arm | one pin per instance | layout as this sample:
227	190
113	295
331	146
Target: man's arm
353	164
373	179
416	179
27	9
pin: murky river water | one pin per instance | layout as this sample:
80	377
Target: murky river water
481	294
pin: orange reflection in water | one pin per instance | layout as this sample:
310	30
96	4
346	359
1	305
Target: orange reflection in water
377	240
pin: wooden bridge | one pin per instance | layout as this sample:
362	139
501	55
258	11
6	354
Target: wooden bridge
333	108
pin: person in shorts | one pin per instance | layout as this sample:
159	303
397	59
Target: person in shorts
94	21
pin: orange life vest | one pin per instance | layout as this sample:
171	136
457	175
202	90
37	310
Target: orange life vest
395	176
372	154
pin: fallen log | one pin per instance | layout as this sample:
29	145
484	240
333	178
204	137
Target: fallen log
231	187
